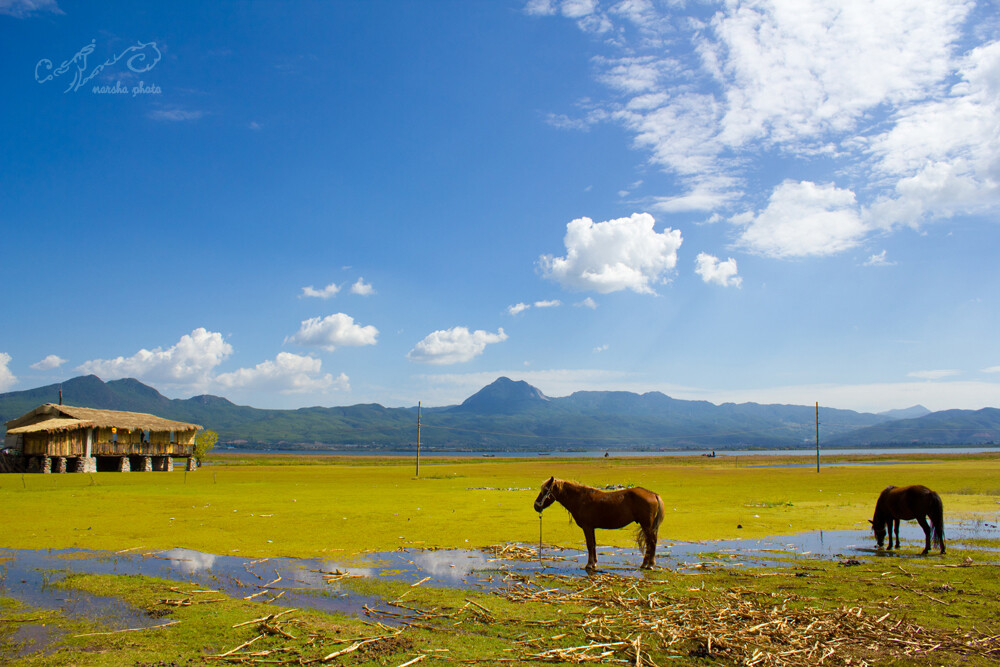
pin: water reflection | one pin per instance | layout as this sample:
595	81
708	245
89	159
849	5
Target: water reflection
188	561
450	565
30	575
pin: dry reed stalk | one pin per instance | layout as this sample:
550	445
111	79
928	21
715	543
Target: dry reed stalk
741	626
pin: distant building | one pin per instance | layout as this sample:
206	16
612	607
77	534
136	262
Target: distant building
64	438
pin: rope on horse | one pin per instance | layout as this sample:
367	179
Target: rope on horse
539	537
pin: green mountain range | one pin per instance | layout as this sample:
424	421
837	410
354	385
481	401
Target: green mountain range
510	415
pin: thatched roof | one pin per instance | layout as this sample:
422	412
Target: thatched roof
51	417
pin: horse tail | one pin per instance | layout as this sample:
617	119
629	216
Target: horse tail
937	519
640	533
660	513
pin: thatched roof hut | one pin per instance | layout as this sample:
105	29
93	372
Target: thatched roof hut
66	431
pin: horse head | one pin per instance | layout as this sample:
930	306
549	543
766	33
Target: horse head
547	495
879	529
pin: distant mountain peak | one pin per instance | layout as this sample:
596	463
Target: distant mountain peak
504	396
906	413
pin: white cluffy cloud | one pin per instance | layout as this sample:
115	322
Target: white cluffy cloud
803	219
7	379
189	366
361	288
188	362
453	346
287	374
712	270
519	308
333	331
620	254
325	293
879	259
48	363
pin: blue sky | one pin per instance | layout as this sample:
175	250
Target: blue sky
295	204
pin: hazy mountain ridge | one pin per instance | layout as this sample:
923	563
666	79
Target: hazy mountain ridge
511	414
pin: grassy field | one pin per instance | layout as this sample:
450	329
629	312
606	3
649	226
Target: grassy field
941	609
305	508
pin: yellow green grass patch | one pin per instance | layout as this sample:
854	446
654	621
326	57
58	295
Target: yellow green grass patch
333	508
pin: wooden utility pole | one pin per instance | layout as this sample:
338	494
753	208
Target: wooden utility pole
817	436
418	438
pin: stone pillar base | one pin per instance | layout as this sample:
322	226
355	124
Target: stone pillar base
147	464
163	464
192	464
124	465
59	464
85	464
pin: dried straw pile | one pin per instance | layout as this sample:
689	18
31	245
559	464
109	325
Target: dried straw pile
627	626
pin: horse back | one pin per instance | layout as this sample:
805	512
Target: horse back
907	502
617	509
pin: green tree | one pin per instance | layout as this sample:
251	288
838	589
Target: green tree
204	441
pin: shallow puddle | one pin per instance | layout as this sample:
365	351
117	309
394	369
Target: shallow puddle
29	575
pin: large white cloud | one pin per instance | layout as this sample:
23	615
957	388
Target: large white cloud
7	379
944	154
733	98
287	374
190	361
712	270
620	254
803	69
804	219
453	346
333	331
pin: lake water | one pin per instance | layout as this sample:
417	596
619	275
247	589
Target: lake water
719	453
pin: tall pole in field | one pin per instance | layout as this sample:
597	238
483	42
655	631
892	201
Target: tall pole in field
817	436
418	438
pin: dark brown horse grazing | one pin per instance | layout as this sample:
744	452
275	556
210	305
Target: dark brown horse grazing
593	508
908	502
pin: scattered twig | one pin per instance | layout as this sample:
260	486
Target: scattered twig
114	632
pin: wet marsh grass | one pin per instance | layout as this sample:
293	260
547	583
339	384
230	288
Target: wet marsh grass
332	508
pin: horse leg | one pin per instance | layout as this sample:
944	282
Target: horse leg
927	535
588	534
649	560
895	526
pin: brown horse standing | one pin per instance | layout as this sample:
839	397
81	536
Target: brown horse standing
593	508
908	502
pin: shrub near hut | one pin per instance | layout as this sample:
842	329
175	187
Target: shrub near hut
204	442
